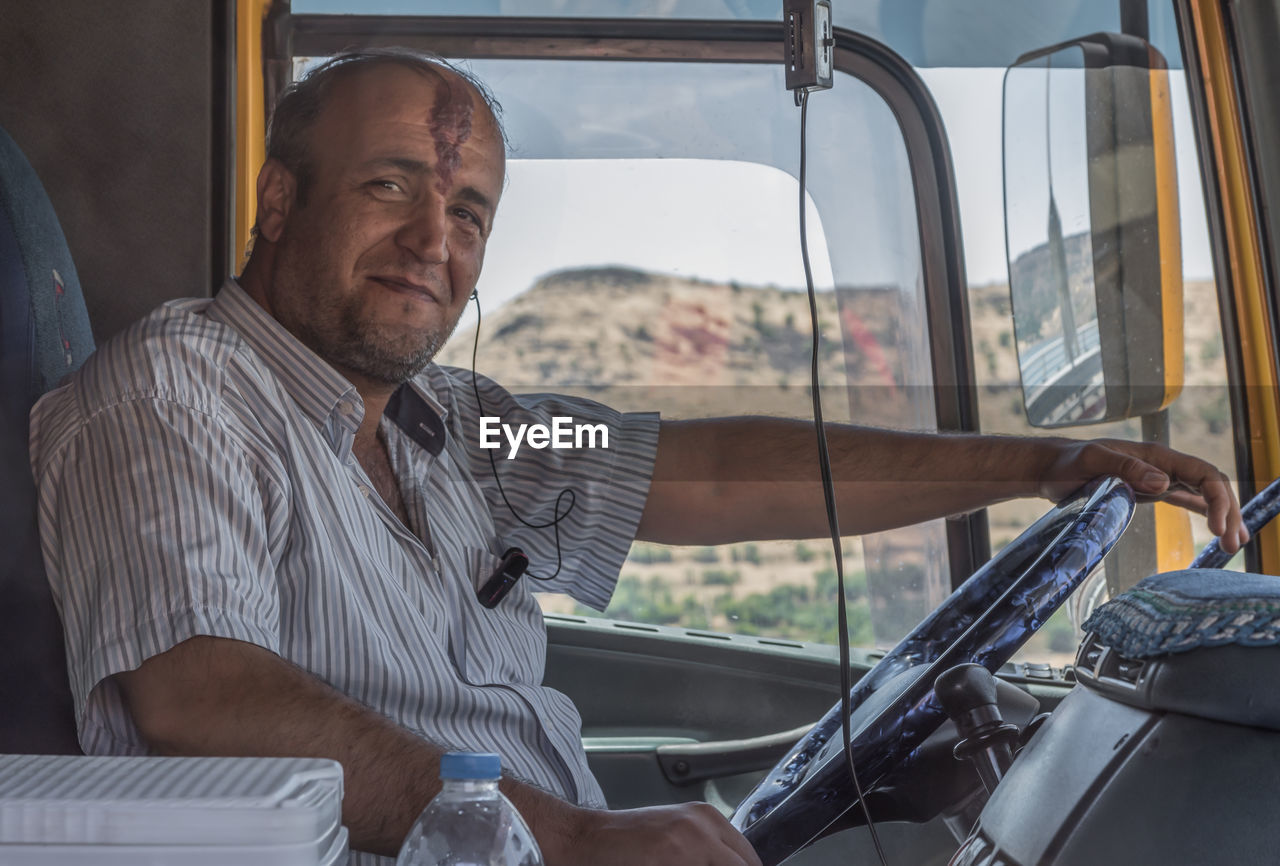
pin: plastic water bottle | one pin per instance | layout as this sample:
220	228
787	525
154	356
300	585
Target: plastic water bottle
470	822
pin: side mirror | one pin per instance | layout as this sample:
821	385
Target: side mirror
1091	230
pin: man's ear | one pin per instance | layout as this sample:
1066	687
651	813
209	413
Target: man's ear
277	188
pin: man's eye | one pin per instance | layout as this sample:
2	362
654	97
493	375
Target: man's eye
469	216
388	185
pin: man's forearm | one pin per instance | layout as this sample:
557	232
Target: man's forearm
213	696
753	478
737	479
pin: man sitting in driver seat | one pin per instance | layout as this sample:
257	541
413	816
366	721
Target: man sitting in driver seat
265	516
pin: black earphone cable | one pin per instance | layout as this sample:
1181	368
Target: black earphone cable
829	495
552	524
828	489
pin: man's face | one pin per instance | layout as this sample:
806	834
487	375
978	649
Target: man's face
374	270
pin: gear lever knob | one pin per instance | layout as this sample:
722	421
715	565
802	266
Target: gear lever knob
967	694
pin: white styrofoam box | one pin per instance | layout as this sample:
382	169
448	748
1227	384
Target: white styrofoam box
60	809
173	855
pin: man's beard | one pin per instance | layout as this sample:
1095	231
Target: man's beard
379	353
332	324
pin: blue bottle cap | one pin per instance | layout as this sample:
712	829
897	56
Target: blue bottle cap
470	765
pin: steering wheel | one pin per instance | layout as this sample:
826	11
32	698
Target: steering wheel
985	621
1257	512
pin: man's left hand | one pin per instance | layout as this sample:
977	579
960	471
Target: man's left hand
1155	473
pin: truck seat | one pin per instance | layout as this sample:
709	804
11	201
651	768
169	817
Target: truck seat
44	335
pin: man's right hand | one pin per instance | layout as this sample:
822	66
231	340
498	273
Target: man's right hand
689	833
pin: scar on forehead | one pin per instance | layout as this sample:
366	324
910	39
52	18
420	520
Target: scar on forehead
450	127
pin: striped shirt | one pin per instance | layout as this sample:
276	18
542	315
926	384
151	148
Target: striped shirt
196	477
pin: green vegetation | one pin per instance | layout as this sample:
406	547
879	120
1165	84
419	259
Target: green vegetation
801	612
647	601
790	611
1059	634
720	577
1016	407
1216	414
694	614
644	553
855	584
896	613
990	355
763	328
706	555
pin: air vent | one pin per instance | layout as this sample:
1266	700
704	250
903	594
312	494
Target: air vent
1090	654
1129	670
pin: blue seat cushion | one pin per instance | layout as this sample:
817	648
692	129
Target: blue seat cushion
44	335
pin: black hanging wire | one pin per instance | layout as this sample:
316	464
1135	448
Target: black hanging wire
566	493
829	495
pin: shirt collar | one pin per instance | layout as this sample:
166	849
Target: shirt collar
323	394
435	386
429	387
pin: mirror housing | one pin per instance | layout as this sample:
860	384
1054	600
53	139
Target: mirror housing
1092	230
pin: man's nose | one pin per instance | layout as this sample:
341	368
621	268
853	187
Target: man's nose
425	232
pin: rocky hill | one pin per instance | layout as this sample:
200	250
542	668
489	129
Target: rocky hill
685	347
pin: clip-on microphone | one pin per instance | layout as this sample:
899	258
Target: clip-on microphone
504	577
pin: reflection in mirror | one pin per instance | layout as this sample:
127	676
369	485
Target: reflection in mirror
1049	238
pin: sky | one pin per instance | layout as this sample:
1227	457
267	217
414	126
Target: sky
659	214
